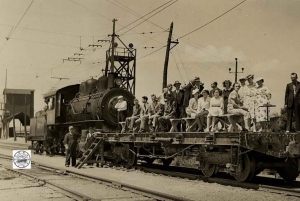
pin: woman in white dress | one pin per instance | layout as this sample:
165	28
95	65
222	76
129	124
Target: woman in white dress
191	110
203	107
250	99
263	96
216	108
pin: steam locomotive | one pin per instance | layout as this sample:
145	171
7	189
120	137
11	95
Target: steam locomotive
89	104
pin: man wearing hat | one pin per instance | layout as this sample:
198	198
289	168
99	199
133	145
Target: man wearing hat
178	96
70	142
121	107
188	90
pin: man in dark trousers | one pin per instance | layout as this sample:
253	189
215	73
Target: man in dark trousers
178	96
70	143
292	102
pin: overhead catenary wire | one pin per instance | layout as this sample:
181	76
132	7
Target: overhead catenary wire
182	64
151	53
146	15
150	17
137	14
11	33
212	20
177	67
20	19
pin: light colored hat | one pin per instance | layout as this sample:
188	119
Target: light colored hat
176	83
242	78
70	127
250	76
259	78
195	91
120	97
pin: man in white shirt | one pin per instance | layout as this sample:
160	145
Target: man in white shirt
121	107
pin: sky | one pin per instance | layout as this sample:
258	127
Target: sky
262	34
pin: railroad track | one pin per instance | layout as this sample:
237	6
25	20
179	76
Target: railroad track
259	183
140	193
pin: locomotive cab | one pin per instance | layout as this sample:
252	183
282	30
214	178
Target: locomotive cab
56	102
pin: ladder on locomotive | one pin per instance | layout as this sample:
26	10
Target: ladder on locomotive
87	155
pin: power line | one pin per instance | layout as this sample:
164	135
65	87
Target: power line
144	16
177	67
12	31
182	63
212	20
43	42
20	19
151	53
90	10
149	17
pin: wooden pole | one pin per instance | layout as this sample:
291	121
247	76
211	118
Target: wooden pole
165	75
25	119
13	112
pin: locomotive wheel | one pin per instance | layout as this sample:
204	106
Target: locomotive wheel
149	161
246	167
167	162
108	101
209	170
37	149
290	172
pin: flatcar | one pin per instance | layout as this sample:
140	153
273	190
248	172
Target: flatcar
241	154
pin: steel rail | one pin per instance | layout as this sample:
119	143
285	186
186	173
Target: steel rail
144	191
65	191
117	183
221	181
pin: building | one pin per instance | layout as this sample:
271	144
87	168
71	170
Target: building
16	103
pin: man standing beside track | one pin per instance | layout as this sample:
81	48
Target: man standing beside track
70	143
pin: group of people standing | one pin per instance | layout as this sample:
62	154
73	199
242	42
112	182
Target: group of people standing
246	100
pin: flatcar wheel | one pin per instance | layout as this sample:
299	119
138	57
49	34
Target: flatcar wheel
131	159
246	168
290	173
167	162
149	161
209	170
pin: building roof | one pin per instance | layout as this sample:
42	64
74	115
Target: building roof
17	91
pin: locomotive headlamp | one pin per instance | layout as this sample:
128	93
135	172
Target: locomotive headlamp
118	81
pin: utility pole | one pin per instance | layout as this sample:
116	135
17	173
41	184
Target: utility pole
5	132
113	47
165	74
236	70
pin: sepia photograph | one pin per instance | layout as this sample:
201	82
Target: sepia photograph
135	100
